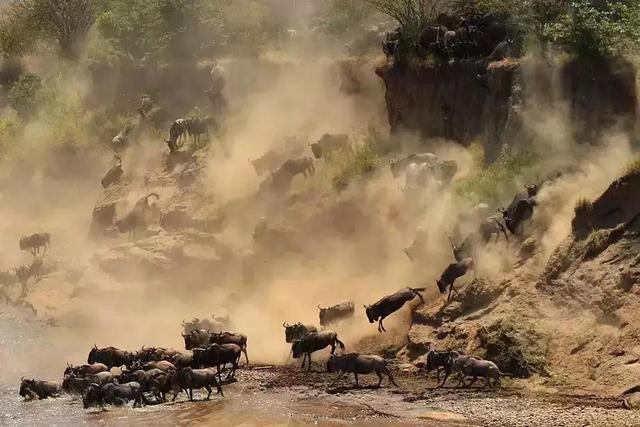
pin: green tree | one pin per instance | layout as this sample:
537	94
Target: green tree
23	94
412	15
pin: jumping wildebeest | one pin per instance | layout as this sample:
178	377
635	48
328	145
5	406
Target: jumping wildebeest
240	340
520	209
313	342
451	273
113	175
110	356
188	379
297	331
113	394
329	144
359	364
137	217
437	360
121	140
218	356
400	166
40	389
390	304
35	242
197	127
84	370
336	313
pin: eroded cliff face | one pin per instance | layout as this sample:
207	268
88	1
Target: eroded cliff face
456	102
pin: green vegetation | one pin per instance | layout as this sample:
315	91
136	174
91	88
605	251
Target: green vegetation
23	94
362	161
496	179
596	243
516	346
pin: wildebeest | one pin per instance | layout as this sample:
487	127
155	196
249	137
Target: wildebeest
189	378
196	127
400	166
240	340
297	331
73	383
390	304
32	388
520	209
113	394
359	364
438	360
196	338
216	324
313	342
293	167
178	130
336	313
329	144
138	217
474	367
113	175
218	356
182	360
121	140
87	369
451	273
111	356
35	242
163	365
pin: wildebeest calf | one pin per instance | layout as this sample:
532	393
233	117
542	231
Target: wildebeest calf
451	273
32	388
359	364
336	313
189	378
390	304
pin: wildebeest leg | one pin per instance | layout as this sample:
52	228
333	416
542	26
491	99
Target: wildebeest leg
446	376
473	380
309	362
391	378
337	378
355	374
208	391
437	374
304	357
382	325
190	394
246	356
379	378
451	288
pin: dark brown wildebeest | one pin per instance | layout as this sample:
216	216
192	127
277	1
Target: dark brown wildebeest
35	242
111	357
297	331
329	144
114	394
217	356
438	360
32	388
113	175
336	313
399	167
163	365
390	304
474	367
520	209
189	378
138	217
313	342
240	340
73	383
451	273
177	132
359	364
196	338
84	370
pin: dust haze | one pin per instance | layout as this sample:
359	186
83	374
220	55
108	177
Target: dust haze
340	246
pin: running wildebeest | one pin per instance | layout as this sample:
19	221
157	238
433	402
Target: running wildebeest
293	167
138	217
189	378
113	394
110	356
313	342
451	273
438	360
400	166
32	388
196	127
520	209
336	313
297	331
240	340
217	356
113	175
474	367
359	364
329	144
35	242
177	132
390	304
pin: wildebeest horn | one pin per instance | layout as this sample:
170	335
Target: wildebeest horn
285	324
364	306
502	210
184	335
319	308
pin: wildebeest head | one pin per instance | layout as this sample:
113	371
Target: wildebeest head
442	287
532	190
370	313
92	355
92	396
316	149
26	387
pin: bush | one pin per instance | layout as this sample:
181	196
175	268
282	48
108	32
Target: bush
361	162
517	347
596	243
583	207
491	182
632	168
23	94
412	15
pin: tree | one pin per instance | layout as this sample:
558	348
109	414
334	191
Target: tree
68	21
412	15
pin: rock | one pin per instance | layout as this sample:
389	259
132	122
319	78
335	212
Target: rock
632	400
